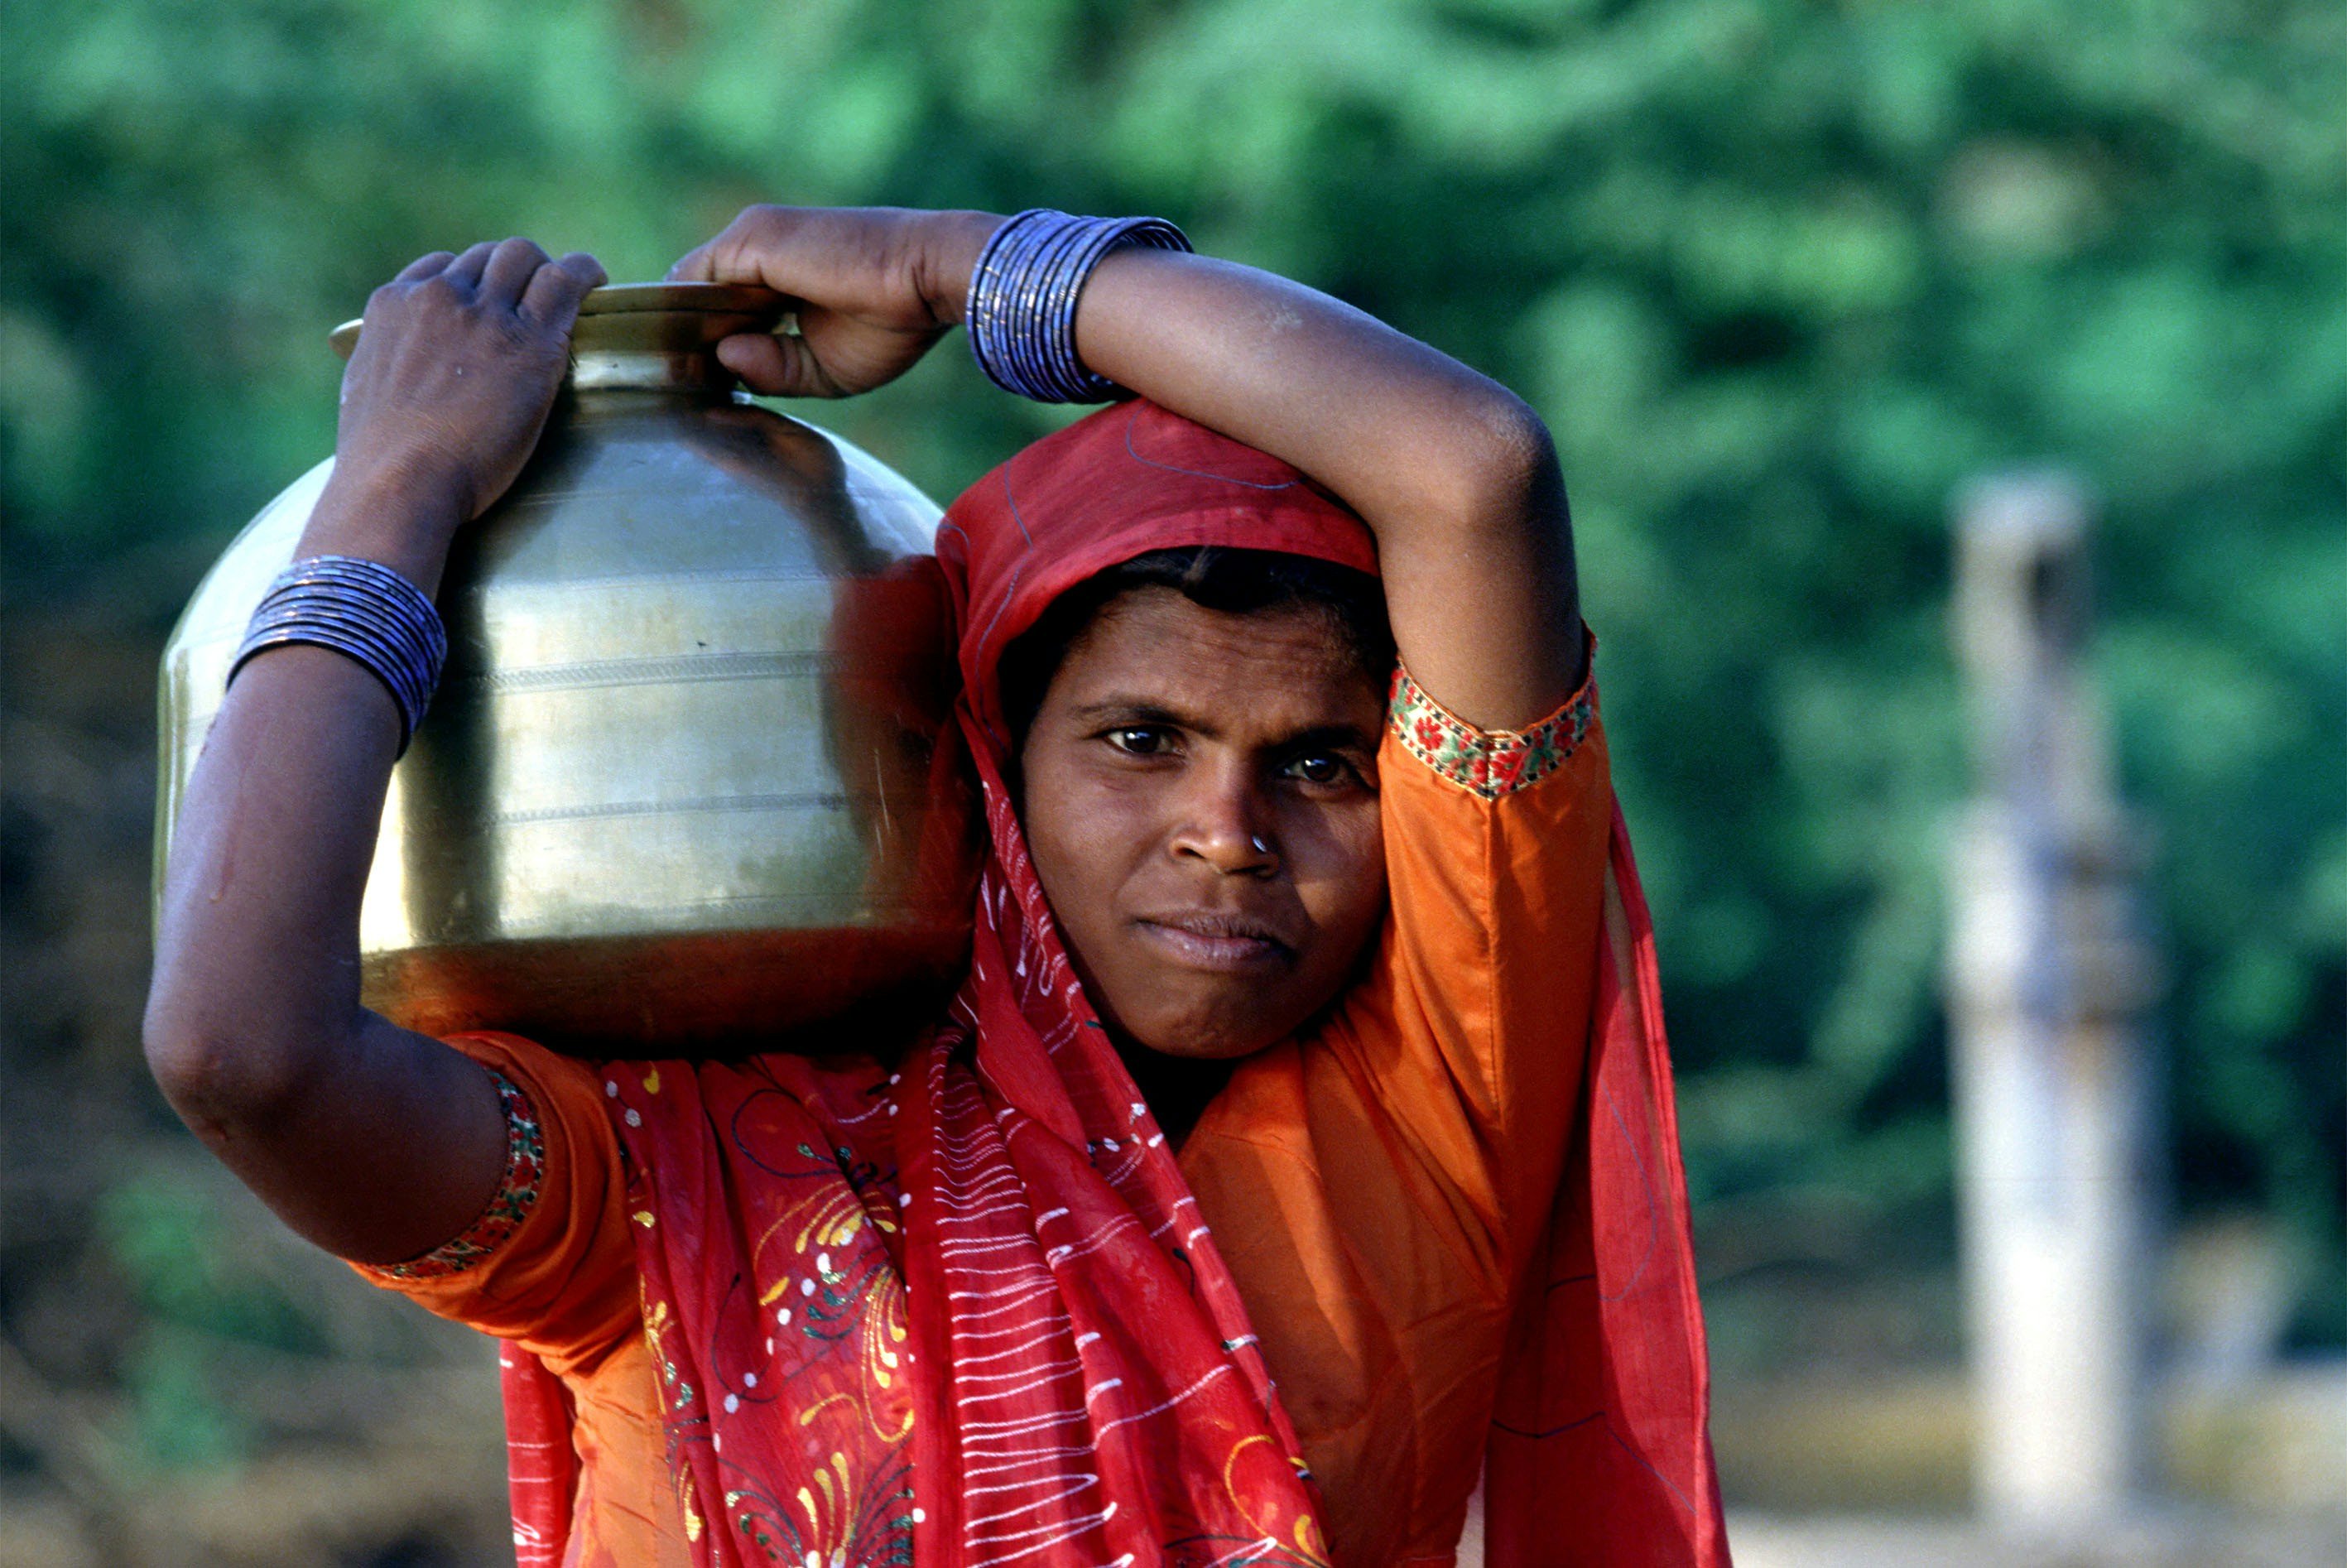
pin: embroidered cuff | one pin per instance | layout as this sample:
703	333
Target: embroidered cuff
1488	762
517	1192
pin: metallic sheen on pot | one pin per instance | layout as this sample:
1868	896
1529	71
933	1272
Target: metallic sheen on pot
682	787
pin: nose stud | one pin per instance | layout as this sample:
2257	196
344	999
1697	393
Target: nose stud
1262	846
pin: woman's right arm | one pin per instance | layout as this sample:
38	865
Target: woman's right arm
375	1143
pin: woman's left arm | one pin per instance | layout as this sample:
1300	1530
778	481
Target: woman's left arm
1454	474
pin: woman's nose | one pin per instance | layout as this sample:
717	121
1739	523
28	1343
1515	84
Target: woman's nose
1225	823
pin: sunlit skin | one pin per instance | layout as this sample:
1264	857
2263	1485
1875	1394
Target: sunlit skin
1199	790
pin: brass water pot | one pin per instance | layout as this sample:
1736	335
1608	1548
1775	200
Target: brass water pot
679	789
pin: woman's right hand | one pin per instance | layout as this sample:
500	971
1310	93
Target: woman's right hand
875	287
446	396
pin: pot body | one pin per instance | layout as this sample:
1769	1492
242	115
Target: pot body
681	787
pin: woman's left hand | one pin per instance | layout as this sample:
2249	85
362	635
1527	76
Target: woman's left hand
875	286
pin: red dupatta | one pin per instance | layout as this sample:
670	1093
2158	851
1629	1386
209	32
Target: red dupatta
1031	1351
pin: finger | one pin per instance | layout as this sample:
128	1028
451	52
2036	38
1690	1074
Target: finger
757	247
464	272
805	372
425	267
511	267
777	366
760	361
555	292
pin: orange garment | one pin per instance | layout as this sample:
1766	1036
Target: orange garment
1378	1184
1374	1183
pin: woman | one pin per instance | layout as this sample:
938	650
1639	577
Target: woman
1299	1145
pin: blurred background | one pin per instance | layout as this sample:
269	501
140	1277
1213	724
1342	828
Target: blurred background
1790	279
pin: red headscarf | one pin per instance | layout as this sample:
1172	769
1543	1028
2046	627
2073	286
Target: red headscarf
1053	1326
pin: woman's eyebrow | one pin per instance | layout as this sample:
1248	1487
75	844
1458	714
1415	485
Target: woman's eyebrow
1349	737
1140	711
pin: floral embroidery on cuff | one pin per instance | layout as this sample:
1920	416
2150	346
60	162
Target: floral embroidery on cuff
525	1173
1488	762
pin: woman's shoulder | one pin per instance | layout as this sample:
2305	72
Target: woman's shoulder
1465	1023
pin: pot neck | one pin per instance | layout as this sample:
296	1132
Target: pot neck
693	374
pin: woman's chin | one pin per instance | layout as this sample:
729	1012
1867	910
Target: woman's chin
1191	1047
1215	1034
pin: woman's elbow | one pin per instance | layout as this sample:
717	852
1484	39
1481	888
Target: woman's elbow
1501	473
218	1072
1517	470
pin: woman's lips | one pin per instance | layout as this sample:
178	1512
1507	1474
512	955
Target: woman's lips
1219	942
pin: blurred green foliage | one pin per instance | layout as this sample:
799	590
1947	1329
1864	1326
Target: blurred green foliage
169	1244
198	1295
1782	274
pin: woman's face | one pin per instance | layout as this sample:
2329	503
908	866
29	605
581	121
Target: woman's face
1199	790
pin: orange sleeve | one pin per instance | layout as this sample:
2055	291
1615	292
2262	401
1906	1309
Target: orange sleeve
549	1263
1470	1028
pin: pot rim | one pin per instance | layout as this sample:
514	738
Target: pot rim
764	306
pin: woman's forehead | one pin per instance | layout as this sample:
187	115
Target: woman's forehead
1154	646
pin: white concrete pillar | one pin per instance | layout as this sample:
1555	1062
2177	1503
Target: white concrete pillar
2049	979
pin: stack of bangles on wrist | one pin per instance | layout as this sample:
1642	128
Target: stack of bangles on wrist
1022	299
363	611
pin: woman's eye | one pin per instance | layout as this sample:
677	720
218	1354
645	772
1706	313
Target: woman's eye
1141	740
1319	769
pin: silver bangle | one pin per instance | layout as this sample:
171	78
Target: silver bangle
363	611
